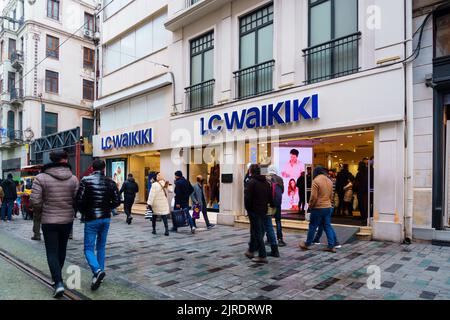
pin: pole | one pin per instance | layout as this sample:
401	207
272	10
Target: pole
77	159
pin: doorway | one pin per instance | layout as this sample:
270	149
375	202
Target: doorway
141	166
447	162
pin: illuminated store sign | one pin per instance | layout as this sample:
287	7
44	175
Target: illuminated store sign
129	139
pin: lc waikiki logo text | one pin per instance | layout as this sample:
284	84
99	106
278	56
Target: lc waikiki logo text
128	139
264	116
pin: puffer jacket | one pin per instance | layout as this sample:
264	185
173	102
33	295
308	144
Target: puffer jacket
53	194
129	190
258	195
157	199
97	196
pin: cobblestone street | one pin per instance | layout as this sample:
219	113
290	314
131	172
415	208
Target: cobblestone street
211	265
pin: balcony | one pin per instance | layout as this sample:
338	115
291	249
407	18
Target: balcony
254	80
16	96
200	96
10	138
17	60
332	59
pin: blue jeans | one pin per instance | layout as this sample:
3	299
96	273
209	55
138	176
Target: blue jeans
95	233
268	227
7	208
320	231
321	217
278	222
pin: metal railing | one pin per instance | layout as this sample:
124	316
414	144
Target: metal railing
16	94
200	96
189	3
332	59
17	55
10	136
254	80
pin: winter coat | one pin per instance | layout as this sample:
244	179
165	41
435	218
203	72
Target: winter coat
53	194
183	190
158	200
129	190
321	192
9	189
348	195
258	195
198	196
341	180
97	196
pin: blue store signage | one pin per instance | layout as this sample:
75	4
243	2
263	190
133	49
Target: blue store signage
264	116
129	139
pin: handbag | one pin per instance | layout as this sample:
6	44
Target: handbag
196	208
180	218
148	212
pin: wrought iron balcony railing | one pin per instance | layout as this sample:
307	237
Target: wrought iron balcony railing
10	136
17	59
16	95
200	96
254	80
332	59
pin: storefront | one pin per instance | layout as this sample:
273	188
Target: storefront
328	124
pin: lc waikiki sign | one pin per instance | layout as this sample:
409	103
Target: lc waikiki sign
128	139
267	115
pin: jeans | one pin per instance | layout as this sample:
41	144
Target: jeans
7	208
278	223
257	234
55	238
321	217
127	205
320	231
95	233
189	218
268	227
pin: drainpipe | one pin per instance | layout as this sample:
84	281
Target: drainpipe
174	109
409	119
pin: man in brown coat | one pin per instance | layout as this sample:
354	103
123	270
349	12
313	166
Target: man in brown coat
53	198
321	209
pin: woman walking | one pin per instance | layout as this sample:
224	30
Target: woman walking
158	201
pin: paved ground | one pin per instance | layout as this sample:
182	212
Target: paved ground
211	265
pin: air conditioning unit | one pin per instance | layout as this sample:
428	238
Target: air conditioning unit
88	34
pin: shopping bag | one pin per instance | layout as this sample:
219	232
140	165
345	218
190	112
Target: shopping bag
196	208
148	213
179	217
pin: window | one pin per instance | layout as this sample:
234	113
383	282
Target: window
201	92
11	47
88	90
20	120
135	45
51	81
11	81
442	35
256	53
88	21
51	123
52	47
53	9
10	125
88	58
333	39
88	128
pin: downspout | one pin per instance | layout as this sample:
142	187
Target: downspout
409	118
174	108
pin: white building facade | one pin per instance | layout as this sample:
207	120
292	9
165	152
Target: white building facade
47	76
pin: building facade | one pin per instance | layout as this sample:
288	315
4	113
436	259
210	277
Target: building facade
47	77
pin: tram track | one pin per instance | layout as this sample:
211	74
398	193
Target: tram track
39	276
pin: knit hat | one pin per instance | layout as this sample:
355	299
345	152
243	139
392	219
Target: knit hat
178	174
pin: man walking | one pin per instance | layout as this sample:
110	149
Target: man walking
257	197
10	195
183	190
97	197
198	198
129	190
278	192
53	199
321	209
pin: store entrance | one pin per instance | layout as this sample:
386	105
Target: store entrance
143	165
348	156
447	164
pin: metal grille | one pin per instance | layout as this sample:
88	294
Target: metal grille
255	80
200	96
256	19
332	59
202	44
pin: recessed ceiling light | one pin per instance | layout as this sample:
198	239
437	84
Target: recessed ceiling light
349	136
335	156
342	144
369	141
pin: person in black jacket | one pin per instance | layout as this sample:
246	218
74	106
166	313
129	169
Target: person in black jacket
257	197
361	187
129	190
10	195
183	191
97	196
341	181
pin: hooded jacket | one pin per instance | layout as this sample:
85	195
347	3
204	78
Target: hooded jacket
53	194
321	191
9	189
129	189
258	195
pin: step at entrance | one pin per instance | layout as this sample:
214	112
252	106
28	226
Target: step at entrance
344	234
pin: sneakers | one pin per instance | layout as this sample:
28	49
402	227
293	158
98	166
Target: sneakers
317	243
35	238
260	260
210	226
281	243
59	290
193	230
338	245
97	280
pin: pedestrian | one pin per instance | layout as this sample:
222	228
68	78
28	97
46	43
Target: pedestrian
158	201
301	184
348	197
53	199
129	190
198	198
257	198
247	175
341	182
96	198
321	209
279	191
361	187
10	195
277	196
183	190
